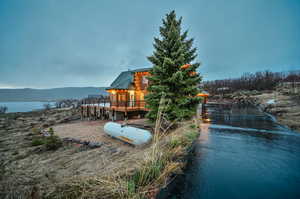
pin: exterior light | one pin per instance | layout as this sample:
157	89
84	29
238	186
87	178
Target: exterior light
131	92
193	73
185	66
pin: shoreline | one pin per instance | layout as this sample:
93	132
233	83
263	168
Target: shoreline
174	188
26	106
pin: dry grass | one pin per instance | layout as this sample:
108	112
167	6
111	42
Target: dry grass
161	160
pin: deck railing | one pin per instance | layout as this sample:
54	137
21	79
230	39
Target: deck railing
128	104
116	104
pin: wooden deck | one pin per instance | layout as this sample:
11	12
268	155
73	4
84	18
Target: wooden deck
108	110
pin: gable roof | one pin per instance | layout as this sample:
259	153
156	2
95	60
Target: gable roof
125	79
141	70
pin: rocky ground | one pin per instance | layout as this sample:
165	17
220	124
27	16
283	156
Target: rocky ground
285	107
28	171
283	103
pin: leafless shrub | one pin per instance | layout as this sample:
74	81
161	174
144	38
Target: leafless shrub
258	81
3	109
66	103
47	106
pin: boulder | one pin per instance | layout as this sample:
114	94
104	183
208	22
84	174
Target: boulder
76	141
45	125
95	144
67	139
21	118
51	122
33	123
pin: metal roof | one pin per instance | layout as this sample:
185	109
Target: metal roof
125	79
141	70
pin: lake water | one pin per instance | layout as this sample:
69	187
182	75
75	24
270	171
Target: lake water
24	106
243	154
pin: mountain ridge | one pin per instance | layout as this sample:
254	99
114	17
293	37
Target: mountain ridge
49	94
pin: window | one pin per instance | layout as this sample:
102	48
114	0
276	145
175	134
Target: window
144	82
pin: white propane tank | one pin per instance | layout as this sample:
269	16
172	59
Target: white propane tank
127	134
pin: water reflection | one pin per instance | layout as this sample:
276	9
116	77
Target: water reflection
204	127
204	114
243	154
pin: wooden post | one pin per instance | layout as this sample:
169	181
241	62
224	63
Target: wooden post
126	101
88	112
117	99
113	115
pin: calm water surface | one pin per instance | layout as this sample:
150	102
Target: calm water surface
243	154
23	106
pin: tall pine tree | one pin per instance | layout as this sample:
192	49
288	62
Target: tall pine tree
179	85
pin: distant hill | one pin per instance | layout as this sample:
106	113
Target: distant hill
28	94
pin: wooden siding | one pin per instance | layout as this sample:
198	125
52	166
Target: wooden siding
122	100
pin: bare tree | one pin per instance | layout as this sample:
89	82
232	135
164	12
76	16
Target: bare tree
259	81
3	109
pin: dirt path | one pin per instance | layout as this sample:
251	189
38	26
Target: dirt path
91	131
27	169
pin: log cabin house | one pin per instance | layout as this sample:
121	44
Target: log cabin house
126	97
128	90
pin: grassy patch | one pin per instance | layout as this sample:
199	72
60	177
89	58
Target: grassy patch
149	172
51	142
37	142
174	142
189	137
193	126
131	188
184	141
2	169
160	164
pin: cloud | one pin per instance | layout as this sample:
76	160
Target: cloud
88	43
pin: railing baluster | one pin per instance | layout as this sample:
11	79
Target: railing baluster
126	104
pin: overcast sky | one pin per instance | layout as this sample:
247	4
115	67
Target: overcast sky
60	43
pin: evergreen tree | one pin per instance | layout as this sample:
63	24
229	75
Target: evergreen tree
167	77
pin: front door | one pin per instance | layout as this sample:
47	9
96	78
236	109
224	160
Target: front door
131	98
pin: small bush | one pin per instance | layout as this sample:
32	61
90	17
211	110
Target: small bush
47	106
35	131
193	126
37	142
53	142
131	188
